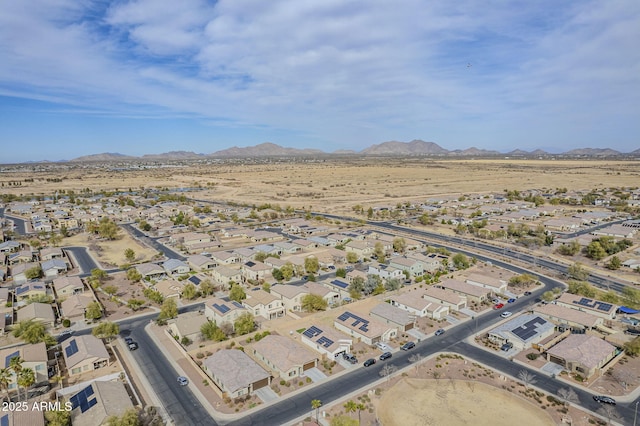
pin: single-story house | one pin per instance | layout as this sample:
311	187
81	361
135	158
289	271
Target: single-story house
150	271
473	293
522	331
41	312
583	354
176	267
53	267
454	301
235	374
73	307
201	263
568	318
493	284
34	357
595	307
284	356
30	290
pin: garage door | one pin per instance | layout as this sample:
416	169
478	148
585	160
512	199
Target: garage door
260	384
308	366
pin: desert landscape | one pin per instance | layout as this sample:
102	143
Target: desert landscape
326	184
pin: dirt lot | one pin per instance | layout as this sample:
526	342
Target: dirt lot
110	254
463	393
337	185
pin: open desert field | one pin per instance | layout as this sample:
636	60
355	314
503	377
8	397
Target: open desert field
432	402
333	185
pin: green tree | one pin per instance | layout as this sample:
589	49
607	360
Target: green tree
60	417
133	275
356	288
33	273
352	257
631	296
595	251
210	331
111	290
582	288
311	264
287	271
93	311
130	255
577	271
399	245
153	295
392	284
260	256
350	406
168	310
15	364
5	379
632	348
237	293
378	252
245	324
316	403
189	291
128	418
106	330
614	263
26	379
134	304
313	303
207	288
107	229
460	261
341	272
548	296
31	331
266	287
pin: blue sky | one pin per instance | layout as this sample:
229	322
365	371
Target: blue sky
81	77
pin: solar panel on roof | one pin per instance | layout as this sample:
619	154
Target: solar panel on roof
340	284
81	399
604	306
344	316
8	358
237	304
194	279
222	308
312	332
364	327
21	290
325	341
72	348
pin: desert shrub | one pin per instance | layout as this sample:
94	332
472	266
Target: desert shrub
533	356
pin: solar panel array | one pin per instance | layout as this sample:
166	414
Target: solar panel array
528	329
312	332
81	399
593	304
72	348
8	358
325	341
357	320
237	304
194	279
21	290
340	284
223	309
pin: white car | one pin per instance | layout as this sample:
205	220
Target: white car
506	314
183	381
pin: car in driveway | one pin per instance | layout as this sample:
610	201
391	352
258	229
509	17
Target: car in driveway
498	306
128	340
385	355
369	362
506	347
511	300
350	358
407	346
382	346
506	314
496	301
440	331
183	381
604	399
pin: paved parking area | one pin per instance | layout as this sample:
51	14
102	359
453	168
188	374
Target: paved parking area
266	394
315	375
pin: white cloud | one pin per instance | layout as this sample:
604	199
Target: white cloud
329	68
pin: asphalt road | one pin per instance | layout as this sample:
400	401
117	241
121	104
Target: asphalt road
84	261
152	242
20	226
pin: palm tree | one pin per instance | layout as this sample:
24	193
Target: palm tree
350	406
26	379
5	379
316	404
16	366
360	407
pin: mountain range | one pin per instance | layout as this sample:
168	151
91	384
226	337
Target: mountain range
391	148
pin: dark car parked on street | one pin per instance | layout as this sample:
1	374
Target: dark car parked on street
604	399
369	362
385	355
407	346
